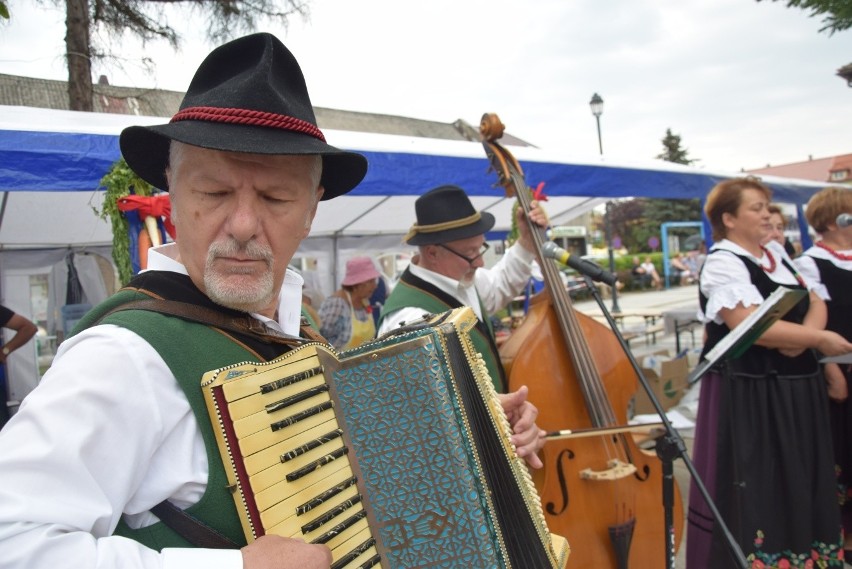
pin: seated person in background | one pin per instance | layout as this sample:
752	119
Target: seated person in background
346	316
650	269
691	262
640	275
695	260
681	270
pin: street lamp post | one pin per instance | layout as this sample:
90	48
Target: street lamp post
597	110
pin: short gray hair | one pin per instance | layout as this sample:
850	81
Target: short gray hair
176	151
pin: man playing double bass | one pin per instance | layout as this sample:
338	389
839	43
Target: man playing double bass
448	272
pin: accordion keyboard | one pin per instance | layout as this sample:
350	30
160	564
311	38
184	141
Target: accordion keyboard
295	461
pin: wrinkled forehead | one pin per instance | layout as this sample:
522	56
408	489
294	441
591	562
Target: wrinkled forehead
181	153
194	161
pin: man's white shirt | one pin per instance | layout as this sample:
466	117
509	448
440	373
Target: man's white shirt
495	287
108	433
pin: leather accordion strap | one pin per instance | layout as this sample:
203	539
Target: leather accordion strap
241	325
191	529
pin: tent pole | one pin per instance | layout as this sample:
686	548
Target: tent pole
3	208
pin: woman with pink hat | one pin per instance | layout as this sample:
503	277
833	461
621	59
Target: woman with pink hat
345	316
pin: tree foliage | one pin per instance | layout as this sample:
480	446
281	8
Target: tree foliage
672	150
659	211
146	19
635	221
838	13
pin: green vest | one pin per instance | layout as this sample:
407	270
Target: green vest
189	349
407	295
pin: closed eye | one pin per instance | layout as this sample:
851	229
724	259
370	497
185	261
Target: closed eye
276	199
212	193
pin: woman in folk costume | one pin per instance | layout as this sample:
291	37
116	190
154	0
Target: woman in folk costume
829	264
762	443
345	316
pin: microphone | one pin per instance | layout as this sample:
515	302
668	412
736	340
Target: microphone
588	268
844	220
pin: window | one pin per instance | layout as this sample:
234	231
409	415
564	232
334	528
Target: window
839	175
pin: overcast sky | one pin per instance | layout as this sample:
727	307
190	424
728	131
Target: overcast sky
745	84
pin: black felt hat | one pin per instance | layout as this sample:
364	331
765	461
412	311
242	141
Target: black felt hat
445	214
248	95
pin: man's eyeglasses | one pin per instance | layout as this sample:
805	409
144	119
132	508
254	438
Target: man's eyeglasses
482	249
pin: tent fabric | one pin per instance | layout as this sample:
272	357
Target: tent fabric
45	150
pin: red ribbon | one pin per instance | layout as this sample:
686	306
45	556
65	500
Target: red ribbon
538	193
156	206
249	117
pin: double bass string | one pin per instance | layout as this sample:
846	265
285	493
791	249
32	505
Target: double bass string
597	402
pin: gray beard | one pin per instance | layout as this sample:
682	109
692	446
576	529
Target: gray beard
249	298
254	299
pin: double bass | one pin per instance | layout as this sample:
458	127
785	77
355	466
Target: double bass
599	490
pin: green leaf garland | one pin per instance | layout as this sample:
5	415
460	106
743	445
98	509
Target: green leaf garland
119	182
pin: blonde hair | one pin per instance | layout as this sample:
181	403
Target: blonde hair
825	205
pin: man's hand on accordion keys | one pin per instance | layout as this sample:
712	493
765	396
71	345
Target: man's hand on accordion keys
526	436
276	552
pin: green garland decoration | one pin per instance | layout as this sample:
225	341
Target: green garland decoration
515	233
119	182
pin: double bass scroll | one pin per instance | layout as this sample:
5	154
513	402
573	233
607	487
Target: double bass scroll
601	492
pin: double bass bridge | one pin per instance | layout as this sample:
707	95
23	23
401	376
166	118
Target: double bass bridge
616	470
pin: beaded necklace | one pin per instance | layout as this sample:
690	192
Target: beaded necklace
838	255
772	264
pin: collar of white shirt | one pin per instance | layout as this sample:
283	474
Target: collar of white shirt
463	292
164	258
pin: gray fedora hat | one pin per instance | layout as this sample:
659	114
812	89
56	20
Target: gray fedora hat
445	214
248	95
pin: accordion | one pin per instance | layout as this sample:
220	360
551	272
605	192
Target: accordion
394	454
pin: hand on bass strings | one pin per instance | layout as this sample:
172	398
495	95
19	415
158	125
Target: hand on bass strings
276	552
526	436
538	216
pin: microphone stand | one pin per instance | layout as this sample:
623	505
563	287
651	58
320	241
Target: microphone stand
669	447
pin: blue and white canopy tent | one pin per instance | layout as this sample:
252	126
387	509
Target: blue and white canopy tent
51	163
45	154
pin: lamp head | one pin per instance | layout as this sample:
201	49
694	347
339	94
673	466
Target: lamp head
597	105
